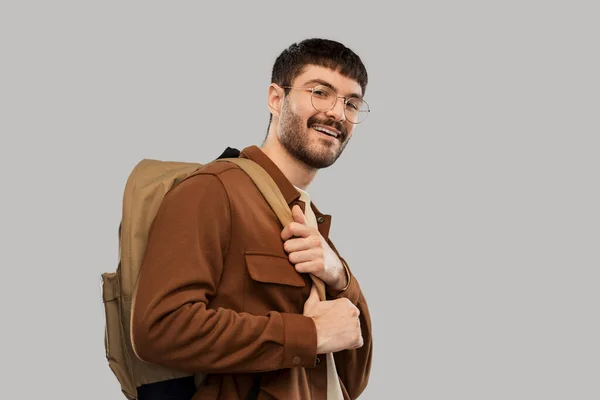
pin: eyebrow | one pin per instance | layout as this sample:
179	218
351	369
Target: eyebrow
329	85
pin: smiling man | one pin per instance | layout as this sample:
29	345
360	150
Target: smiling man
225	292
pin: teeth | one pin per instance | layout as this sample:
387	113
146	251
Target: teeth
327	131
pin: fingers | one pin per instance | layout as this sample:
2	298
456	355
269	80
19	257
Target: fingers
312	255
310	267
355	312
313	299
314	294
298	215
295	229
297	244
360	340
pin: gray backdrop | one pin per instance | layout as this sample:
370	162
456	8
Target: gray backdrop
467	204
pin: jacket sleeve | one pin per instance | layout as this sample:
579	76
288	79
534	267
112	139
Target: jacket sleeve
354	366
172	324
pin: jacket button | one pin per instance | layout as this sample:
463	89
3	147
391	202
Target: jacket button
320	220
296	360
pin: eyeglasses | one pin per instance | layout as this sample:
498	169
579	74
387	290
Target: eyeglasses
324	98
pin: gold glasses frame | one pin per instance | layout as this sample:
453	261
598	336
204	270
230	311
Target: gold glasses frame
346	99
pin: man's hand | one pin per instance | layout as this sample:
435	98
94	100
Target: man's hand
310	253
337	323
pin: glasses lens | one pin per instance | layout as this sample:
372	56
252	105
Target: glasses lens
357	110
323	98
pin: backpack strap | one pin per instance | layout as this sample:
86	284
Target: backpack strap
230	152
274	197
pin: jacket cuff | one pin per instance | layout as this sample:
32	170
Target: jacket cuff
300	341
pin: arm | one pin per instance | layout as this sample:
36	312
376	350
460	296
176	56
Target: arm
172	326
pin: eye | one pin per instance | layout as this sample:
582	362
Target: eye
353	104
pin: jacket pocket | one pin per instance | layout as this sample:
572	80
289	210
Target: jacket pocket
269	268
272	284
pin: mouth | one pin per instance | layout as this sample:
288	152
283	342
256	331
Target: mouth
328	131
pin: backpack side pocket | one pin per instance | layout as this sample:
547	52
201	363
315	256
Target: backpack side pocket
113	336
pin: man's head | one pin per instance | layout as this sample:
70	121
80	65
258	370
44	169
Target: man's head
306	77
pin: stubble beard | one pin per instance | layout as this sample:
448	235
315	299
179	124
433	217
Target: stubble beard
295	137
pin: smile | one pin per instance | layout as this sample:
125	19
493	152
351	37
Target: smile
327	131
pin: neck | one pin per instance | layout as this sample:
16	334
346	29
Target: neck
298	173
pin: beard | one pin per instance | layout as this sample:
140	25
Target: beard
296	138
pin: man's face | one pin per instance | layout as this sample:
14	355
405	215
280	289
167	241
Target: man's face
299	121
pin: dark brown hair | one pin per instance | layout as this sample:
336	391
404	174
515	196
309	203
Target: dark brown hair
322	52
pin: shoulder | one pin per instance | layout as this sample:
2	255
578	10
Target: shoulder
229	174
214	178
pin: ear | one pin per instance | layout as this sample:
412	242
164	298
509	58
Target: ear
274	99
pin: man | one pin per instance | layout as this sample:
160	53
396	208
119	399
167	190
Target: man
225	290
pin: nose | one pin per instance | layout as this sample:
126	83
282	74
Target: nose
337	112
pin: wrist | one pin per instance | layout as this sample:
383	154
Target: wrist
343	279
341	283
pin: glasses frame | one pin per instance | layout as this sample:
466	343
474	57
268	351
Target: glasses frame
346	99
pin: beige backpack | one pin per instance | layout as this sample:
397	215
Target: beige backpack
146	186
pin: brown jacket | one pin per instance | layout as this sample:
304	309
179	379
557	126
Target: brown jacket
218	295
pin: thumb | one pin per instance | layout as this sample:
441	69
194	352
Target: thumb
312	300
298	215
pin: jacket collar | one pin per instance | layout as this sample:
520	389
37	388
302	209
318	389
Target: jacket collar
288	190
291	195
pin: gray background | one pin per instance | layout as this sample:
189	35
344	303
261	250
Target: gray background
467	204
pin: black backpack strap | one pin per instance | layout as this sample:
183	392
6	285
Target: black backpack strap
183	389
173	389
253	393
230	152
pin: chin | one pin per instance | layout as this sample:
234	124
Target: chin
320	158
